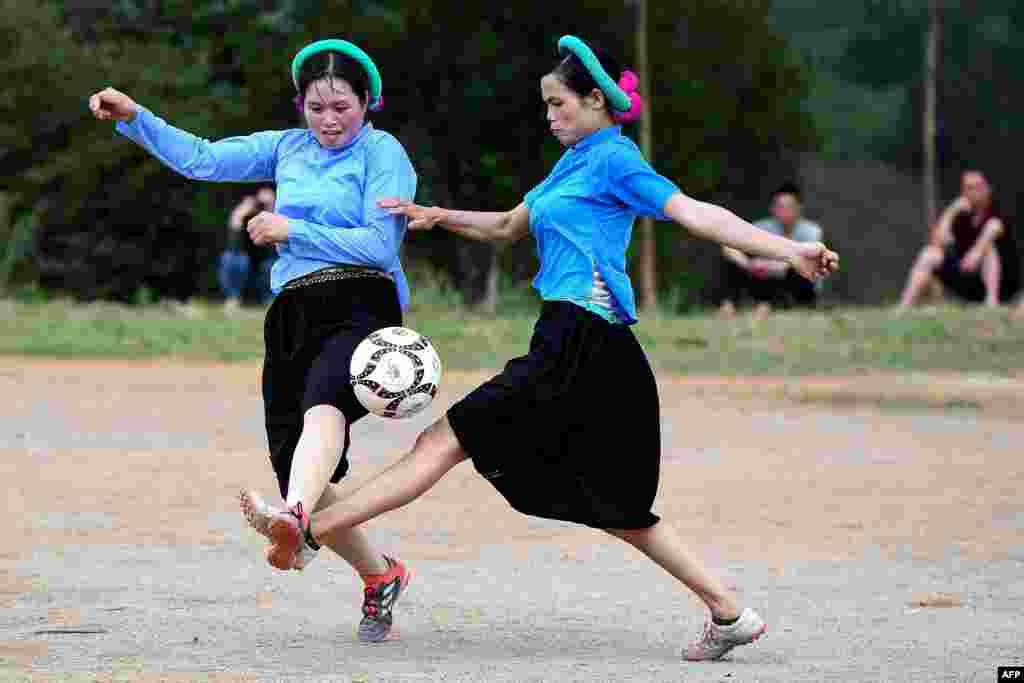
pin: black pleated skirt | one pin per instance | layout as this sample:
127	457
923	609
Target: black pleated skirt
570	431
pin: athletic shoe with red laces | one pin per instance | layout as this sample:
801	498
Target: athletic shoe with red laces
379	597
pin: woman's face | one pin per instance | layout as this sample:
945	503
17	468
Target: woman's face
571	117
333	112
974	186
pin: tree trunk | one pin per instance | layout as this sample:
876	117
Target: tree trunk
646	264
931	68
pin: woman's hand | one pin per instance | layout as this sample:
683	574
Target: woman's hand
971	261
267	228
813	260
113	104
960	205
420	217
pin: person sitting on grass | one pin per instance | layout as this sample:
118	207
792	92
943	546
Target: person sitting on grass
243	263
972	251
770	281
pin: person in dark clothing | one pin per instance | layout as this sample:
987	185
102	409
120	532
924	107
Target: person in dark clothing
972	251
244	265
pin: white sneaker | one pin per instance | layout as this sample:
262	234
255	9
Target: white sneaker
717	640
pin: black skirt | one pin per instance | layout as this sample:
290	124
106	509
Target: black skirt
310	334
570	431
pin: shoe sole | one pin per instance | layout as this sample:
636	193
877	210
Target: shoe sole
259	515
753	638
285	538
401	592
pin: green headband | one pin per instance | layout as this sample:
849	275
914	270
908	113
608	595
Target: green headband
348	49
617	97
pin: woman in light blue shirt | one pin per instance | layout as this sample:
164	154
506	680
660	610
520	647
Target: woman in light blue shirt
338	277
571	430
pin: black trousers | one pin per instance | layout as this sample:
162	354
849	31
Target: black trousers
791	290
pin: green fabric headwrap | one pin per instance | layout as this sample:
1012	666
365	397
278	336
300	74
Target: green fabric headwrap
617	97
346	48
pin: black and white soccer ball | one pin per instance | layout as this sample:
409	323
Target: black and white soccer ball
395	372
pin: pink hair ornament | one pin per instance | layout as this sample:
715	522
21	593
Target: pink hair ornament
629	82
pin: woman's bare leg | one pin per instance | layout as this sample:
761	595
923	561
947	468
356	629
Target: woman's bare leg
316	457
920	275
662	544
729	627
991	275
352	544
436	451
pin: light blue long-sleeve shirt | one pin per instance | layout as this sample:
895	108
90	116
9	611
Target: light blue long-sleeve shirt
581	217
329	195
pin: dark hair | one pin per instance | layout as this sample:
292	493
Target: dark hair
330	65
787	188
576	77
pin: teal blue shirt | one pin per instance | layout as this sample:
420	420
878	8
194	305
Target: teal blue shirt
329	195
582	214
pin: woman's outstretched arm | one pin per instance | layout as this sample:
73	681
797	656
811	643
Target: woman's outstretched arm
484	226
248	158
810	259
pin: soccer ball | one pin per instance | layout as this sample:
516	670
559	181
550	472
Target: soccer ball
395	372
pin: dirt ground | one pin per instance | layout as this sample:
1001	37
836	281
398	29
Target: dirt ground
846	510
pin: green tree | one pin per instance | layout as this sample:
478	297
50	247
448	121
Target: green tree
729	96
868	91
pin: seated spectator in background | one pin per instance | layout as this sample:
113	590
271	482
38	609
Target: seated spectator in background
971	252
768	281
237	273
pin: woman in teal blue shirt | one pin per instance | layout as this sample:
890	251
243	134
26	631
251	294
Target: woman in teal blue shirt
571	430
338	277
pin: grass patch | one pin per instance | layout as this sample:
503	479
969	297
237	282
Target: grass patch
840	341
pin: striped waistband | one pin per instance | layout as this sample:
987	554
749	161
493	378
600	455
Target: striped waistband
342	272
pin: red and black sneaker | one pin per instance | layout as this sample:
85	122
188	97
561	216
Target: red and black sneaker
379	597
